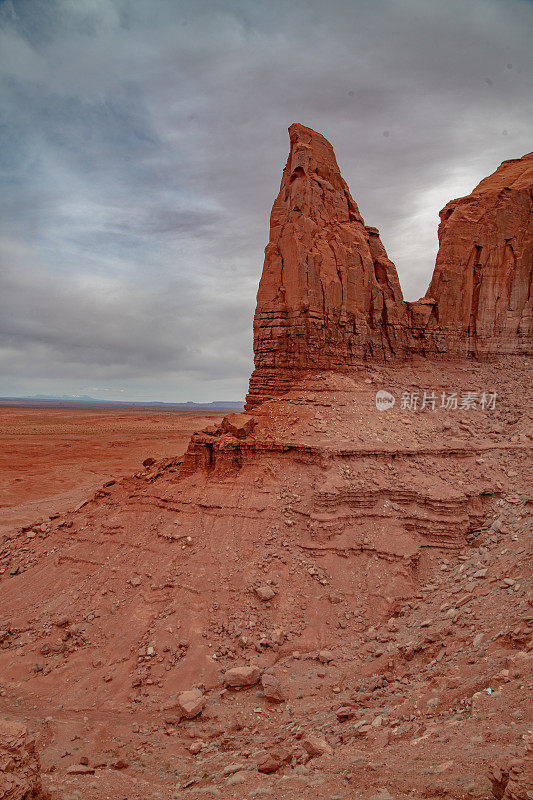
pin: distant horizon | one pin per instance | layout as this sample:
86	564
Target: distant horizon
85	399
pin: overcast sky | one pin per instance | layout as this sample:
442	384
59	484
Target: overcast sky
142	144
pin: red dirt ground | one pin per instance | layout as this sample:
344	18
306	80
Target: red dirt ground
52	458
395	550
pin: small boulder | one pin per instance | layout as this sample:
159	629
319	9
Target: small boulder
211	430
191	703
344	713
80	769
325	656
271	760
231	769
119	763
172	712
316	746
277	637
242	676
148	462
265	593
238	425
237	778
272	688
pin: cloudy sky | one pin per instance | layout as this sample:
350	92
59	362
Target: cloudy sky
142	144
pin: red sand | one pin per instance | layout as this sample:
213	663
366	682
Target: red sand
53	458
393	548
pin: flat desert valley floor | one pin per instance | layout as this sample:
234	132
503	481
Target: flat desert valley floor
52	458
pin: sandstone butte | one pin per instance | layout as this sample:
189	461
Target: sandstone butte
329	295
345	592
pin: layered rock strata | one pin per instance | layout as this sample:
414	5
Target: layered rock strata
329	296
479	301
20	777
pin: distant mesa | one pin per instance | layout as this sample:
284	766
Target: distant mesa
74	397
83	400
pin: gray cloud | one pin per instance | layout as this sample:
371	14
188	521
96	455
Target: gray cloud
142	144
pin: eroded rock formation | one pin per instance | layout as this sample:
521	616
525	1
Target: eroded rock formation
321	587
480	301
329	296
20	777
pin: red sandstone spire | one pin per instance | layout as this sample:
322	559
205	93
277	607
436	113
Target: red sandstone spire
329	295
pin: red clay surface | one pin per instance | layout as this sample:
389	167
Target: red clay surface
52	458
367	574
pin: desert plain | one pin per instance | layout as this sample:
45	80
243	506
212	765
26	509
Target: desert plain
52	456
